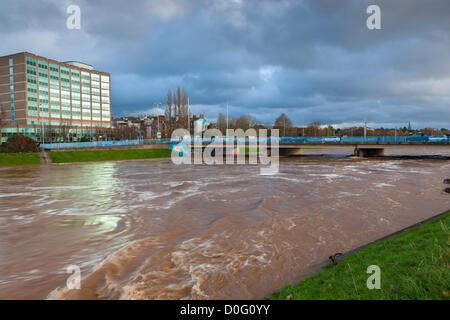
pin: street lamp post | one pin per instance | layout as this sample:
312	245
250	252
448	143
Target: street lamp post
188	117
365	131
227	115
157	116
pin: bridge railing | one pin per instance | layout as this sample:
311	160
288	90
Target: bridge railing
380	139
77	145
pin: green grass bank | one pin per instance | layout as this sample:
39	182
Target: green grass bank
18	159
107	155
414	264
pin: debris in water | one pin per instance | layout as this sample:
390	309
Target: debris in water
333	258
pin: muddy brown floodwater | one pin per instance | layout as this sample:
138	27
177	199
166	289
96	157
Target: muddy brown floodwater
152	230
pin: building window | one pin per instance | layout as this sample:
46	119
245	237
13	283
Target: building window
42	64
54	68
11	86
30	61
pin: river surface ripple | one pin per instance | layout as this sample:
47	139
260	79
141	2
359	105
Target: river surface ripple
153	230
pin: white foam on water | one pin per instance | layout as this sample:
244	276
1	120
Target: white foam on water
329	176
174	184
21	194
59	188
149	195
382	185
348	194
281	177
25	219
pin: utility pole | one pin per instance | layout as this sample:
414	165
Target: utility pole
227	116
39	119
158	104
189	120
365	131
303	127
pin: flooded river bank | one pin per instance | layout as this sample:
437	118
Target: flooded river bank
152	230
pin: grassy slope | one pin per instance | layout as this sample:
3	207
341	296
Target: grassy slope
415	264
248	149
107	155
18	159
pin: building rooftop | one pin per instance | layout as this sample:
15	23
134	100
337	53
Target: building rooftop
79	64
72	63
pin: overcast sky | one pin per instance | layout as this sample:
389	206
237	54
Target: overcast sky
315	60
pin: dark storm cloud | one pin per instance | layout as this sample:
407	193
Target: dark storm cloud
312	59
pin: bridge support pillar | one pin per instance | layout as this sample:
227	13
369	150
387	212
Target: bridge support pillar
289	152
369	152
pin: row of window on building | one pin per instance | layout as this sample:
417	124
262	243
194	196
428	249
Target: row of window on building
87	99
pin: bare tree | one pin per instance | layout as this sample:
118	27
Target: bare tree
284	124
314	129
244	122
178	105
222	123
184	109
169	115
177	111
62	132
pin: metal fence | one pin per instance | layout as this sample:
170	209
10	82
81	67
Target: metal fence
79	145
76	145
380	139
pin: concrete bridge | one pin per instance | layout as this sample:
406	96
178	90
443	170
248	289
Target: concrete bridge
357	146
296	146
360	150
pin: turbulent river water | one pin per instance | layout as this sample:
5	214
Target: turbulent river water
153	230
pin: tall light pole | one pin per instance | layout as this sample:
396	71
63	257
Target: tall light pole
157	115
42	124
365	131
188	115
227	115
303	126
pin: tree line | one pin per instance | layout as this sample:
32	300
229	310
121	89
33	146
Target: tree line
177	115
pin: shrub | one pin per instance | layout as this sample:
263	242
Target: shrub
20	143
